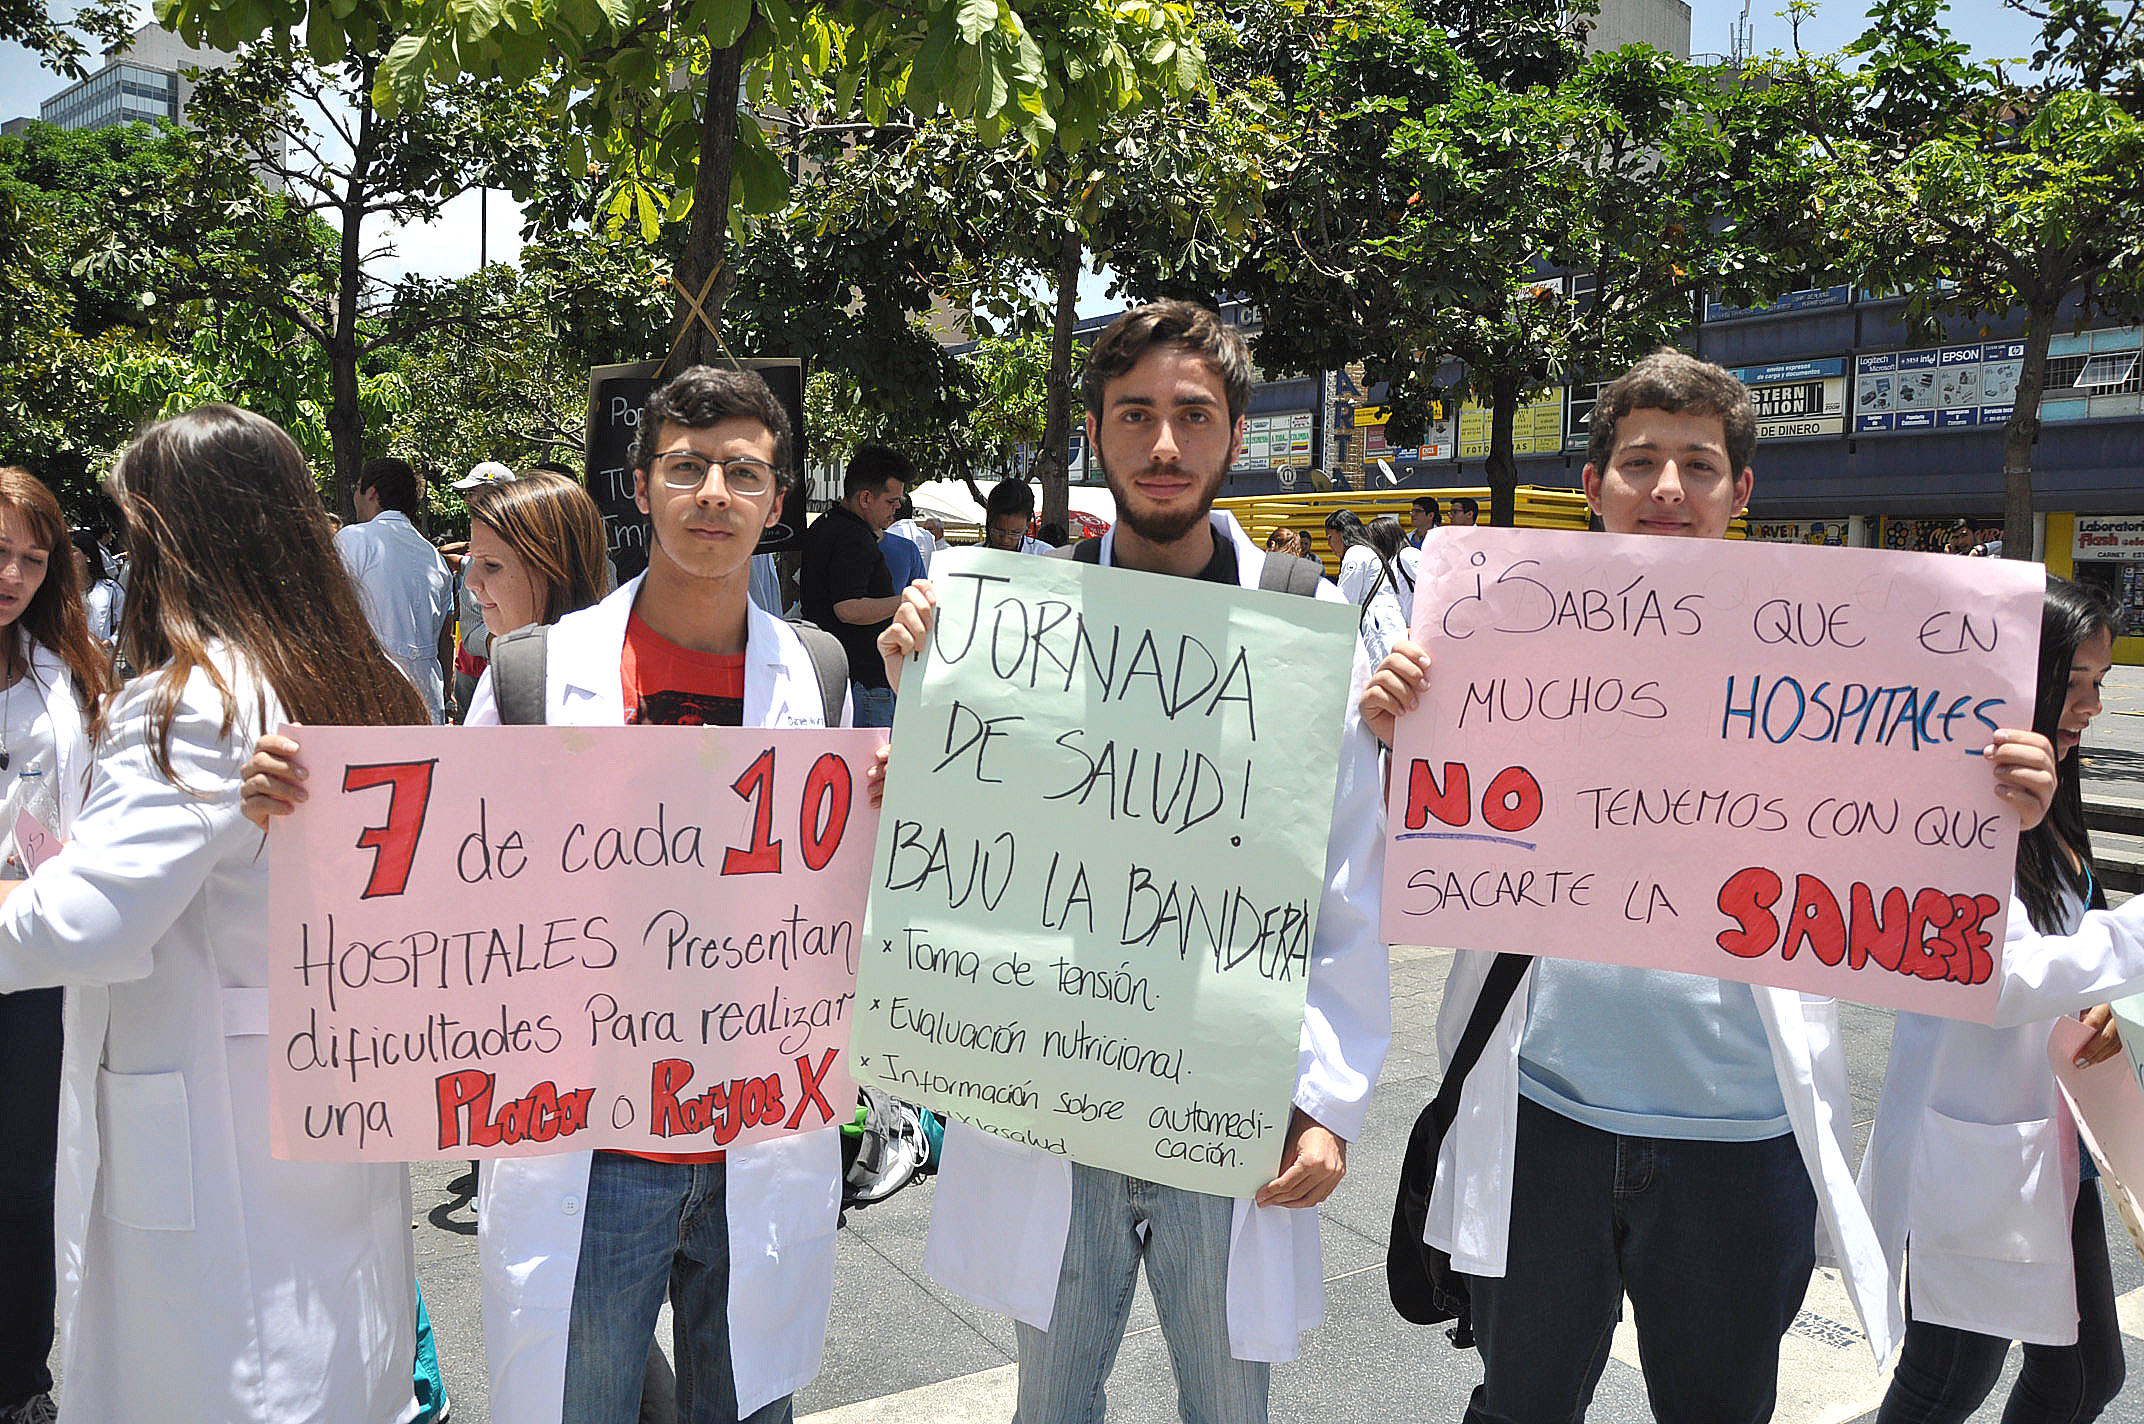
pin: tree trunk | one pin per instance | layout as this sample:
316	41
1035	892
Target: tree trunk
1503	471
2022	431
707	241
346	419
1057	407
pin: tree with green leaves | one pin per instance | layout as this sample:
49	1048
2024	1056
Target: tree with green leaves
125	306
1451	166
649	93
63	45
511	384
309	130
1166	196
1974	188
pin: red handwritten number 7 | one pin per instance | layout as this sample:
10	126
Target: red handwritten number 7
394	845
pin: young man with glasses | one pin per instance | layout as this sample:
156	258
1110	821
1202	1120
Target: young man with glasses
580	1249
845	585
1007	511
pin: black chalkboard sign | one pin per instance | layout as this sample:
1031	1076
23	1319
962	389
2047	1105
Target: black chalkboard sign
615	396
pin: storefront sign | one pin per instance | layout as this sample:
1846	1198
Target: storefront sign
2109	536
1938	388
1797	531
1810	300
1536	427
1274	440
1797	398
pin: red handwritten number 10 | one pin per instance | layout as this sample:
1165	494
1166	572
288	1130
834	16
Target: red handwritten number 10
394	845
821	817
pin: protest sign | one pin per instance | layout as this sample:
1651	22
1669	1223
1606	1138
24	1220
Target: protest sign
2108	1102
507	941
1755	762
1100	862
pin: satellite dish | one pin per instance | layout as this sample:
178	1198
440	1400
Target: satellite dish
1384	468
1321	482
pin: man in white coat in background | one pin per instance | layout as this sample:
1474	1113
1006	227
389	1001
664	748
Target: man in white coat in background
406	587
1057	1245
581	1249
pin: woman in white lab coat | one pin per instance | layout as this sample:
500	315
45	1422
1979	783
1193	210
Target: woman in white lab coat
52	677
1972	1172
203	1280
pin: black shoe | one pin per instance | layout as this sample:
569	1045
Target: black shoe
36	1410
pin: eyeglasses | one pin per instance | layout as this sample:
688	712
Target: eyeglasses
683	470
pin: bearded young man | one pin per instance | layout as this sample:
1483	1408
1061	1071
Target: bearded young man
1056	1244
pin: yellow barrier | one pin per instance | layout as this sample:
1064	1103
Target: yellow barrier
1260	515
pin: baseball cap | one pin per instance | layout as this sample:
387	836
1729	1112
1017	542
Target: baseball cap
490	472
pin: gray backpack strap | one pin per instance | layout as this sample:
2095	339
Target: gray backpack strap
830	661
1285	573
518	673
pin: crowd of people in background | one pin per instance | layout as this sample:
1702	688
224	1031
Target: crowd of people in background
193	1276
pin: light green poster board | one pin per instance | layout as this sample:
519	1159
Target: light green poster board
1099	864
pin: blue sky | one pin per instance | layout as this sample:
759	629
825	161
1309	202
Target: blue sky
449	248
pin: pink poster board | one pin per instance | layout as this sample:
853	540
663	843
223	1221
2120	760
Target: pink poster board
2108	1103
509	941
1749	761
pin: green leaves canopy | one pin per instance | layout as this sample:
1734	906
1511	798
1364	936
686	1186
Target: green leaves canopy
625	77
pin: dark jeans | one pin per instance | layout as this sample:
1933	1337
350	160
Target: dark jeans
1945	1373
1712	1241
653	1228
29	1133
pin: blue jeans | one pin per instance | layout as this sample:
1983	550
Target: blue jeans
1944	1373
1712	1241
651	1227
1185	1243
870	706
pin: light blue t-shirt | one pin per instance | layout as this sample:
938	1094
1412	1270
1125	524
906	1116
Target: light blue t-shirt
1647	1053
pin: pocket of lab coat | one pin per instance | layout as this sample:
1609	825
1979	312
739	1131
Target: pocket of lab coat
146	1146
1990	1190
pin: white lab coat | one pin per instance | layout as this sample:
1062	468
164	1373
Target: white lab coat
784	1196
200	1279
407	592
1002	1211
1973	1159
1470	1209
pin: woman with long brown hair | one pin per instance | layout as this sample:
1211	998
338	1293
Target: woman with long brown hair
52	680
210	1281
536	550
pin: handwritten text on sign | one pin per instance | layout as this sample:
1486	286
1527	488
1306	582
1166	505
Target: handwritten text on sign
1100	861
1755	762
498	942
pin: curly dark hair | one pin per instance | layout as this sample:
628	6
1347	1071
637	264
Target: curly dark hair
700	396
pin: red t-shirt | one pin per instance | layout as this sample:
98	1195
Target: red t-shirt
666	685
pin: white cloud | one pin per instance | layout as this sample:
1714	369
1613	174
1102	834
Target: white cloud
450	246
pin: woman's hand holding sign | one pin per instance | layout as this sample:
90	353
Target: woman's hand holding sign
272	782
1394	689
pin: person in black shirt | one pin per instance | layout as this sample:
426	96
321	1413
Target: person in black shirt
845	586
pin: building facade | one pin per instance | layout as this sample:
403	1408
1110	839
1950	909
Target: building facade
143	80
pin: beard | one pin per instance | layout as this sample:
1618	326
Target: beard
1160	526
